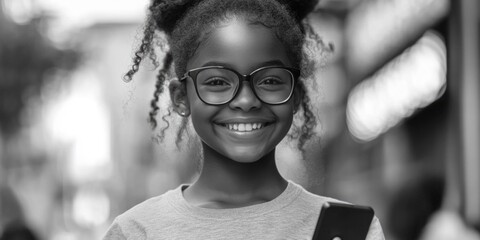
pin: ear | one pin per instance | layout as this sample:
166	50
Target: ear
178	95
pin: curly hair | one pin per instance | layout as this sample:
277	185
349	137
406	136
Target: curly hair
184	23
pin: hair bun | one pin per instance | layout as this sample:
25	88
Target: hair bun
300	8
167	12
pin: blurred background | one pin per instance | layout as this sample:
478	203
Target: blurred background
398	103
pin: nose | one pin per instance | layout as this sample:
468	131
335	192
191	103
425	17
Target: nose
245	100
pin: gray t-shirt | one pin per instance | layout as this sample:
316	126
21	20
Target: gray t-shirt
291	215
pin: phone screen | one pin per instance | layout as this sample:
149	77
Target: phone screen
339	221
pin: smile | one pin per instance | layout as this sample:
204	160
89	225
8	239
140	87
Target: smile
244	127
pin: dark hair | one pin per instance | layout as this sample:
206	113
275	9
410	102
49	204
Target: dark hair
184	22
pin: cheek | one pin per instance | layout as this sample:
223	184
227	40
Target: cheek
193	100
289	122
191	94
200	112
285	114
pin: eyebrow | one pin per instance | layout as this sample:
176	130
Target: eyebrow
276	62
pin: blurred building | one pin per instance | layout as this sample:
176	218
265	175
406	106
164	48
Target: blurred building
398	128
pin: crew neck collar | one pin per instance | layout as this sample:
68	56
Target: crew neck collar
178	202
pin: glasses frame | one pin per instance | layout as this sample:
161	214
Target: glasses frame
193	73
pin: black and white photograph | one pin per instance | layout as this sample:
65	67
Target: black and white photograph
240	119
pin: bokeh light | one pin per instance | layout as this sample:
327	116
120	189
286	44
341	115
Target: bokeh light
80	120
411	81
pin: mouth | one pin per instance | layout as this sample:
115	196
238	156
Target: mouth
244	127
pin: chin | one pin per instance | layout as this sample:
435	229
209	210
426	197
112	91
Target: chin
245	159
246	155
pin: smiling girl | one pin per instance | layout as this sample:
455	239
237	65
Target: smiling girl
240	67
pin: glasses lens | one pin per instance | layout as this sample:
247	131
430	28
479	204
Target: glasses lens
273	85
216	85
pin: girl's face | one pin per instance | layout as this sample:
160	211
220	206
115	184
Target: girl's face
245	129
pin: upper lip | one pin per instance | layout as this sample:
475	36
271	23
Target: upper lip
245	120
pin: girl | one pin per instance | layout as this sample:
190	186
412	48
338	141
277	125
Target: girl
241	68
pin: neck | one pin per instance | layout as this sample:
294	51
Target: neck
225	183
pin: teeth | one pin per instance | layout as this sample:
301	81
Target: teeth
244	127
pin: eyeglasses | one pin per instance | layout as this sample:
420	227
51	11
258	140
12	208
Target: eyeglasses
216	85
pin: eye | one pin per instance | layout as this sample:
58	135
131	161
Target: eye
216	81
270	81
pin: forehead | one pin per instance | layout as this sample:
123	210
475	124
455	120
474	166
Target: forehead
240	45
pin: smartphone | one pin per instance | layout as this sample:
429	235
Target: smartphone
339	221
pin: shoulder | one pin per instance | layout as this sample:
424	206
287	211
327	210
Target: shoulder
308	199
375	232
135	222
145	209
